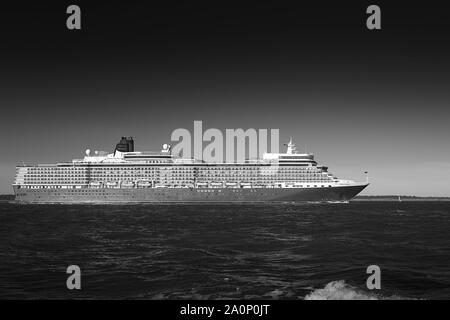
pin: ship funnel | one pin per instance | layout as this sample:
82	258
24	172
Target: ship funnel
125	145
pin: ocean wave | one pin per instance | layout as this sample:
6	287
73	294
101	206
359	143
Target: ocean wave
339	290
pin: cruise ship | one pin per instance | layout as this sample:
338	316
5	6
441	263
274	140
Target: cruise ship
129	176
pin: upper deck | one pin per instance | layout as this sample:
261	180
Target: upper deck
165	156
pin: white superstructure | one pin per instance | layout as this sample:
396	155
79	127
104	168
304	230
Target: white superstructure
132	169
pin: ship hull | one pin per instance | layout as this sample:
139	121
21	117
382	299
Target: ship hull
182	195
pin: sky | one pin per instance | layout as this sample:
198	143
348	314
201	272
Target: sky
361	100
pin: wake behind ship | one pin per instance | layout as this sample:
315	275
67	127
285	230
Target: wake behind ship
132	176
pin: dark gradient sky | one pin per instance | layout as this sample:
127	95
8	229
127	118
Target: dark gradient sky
360	99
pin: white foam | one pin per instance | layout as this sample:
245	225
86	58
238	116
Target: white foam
339	290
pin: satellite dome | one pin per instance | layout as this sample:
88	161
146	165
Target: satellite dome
88	152
165	146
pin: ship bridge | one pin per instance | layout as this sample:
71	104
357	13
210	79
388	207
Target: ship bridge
291	157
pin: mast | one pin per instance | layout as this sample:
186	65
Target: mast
291	149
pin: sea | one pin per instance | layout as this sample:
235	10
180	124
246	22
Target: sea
226	251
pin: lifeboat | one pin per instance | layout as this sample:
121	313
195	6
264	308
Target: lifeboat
95	184
231	184
127	184
202	185
111	184
216	184
144	184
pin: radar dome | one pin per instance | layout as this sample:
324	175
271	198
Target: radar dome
165	146
88	152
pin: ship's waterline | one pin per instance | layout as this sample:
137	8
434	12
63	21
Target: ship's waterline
130	176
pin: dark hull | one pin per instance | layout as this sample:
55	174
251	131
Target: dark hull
158	195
